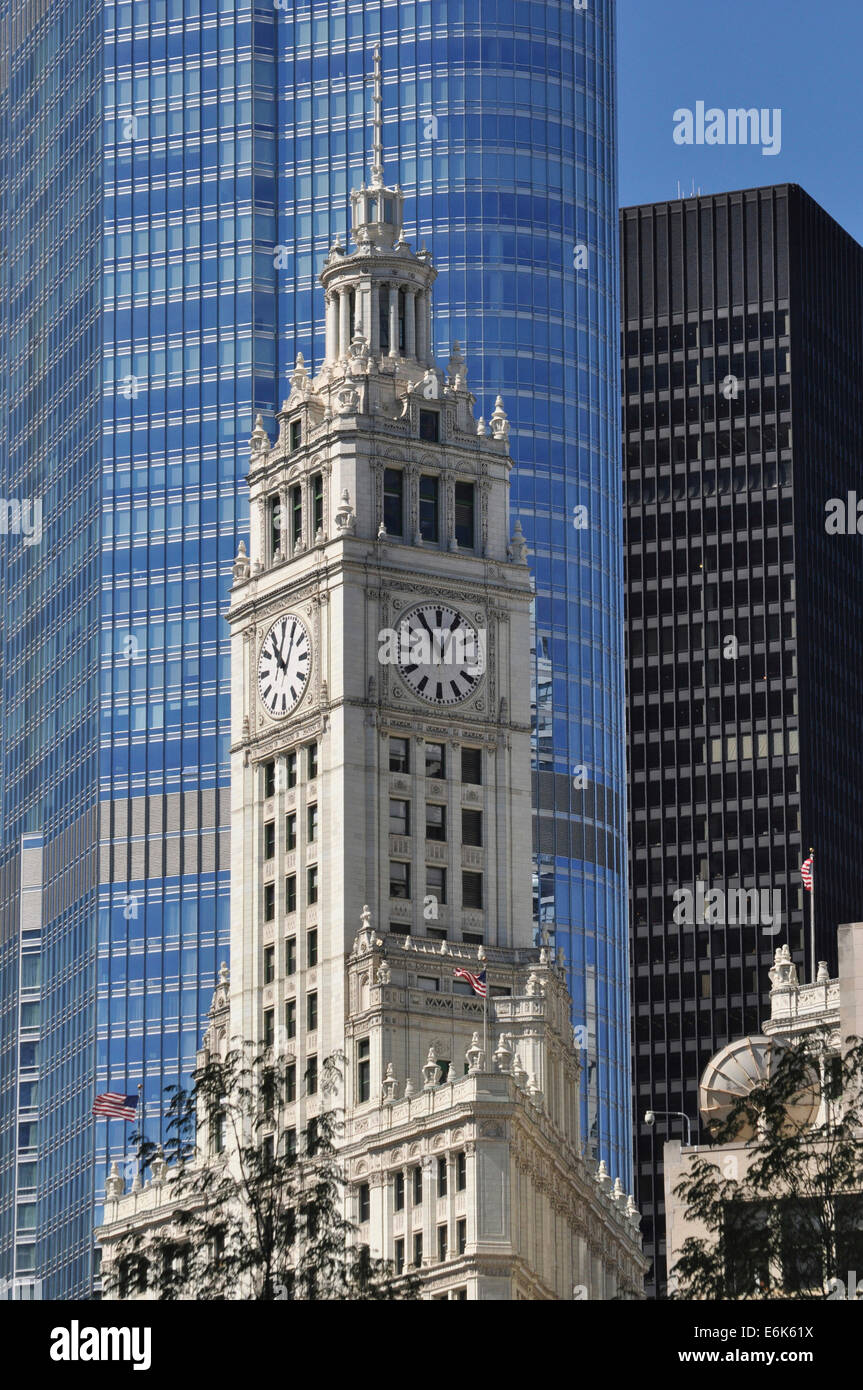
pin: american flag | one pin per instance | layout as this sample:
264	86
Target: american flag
476	982
115	1106
806	872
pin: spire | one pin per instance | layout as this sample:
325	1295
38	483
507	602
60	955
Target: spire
378	126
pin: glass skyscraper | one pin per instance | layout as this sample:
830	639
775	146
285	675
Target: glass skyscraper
174	173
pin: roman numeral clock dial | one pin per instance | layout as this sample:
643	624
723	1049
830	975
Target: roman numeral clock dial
284	665
441	654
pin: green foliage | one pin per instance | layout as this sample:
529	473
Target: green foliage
790	1224
252	1215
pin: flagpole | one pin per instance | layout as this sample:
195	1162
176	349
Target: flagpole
141	1126
812	917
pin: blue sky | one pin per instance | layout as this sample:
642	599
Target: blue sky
803	56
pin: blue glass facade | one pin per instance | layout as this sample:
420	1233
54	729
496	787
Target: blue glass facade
499	123
165	225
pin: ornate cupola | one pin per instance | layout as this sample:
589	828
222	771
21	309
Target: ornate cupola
378	300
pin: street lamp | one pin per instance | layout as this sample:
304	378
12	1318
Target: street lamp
650	1119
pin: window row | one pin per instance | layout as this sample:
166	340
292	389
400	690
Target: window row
291	956
291	831
462	523
436	884
435	822
291	898
695	409
435	764
767	323
275	778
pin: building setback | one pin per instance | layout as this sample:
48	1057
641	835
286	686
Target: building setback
742	352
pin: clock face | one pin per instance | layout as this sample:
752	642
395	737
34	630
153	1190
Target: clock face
284	665
441	655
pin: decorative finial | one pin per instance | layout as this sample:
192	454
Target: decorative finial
377	151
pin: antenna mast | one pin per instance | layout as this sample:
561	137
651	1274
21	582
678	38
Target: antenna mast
378	150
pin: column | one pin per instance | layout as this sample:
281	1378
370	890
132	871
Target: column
332	327
344	322
375	334
410	324
284	534
421	346
394	320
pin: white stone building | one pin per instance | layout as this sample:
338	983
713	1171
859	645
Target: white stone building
829	1009
381	808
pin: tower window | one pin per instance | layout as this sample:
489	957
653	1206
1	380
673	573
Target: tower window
418	1249
471	766
312	885
312	1012
312	761
436	882
471	890
471	827
364	1071
400	879
291	893
269	964
441	1177
312	947
399	1260
364	1203
290	1083
291	766
430	426
269	902
417	1185
269	780
461	1236
461	1172
291	1018
312	1076
399	1192
399	755
269	1027
400	817
291	951
275	510
296	516
269	839
429	506
441	1243
464	515
291	831
317	503
296	434
435	760
435	822
394	501
384	316
312	823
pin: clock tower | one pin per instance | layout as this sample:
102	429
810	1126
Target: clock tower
381	811
380	648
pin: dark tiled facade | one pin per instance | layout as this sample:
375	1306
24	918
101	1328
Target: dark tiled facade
742	342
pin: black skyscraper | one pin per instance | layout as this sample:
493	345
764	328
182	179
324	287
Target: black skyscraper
742	340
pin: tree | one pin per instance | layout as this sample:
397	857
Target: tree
250	1211
791	1225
